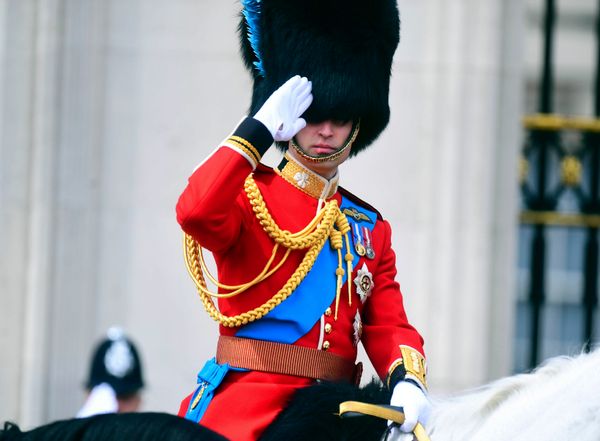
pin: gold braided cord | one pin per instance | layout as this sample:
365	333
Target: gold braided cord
191	257
324	221
339	272
332	156
238	289
312	238
344	226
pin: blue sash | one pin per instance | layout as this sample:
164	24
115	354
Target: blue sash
295	316
292	318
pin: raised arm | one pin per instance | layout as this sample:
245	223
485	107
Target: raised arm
211	208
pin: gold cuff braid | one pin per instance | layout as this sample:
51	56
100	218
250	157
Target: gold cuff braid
413	364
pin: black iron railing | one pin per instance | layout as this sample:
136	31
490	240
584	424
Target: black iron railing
561	156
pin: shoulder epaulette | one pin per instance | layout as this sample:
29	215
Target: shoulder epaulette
359	201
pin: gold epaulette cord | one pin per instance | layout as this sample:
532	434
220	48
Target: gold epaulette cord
329	222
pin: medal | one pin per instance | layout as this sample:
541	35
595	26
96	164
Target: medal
358	246
370	252
364	282
360	249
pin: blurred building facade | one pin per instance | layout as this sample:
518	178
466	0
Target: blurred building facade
106	108
558	266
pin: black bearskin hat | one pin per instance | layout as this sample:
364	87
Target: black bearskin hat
116	361
345	47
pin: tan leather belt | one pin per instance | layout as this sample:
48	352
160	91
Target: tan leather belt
281	358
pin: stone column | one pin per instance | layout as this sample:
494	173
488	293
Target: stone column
52	126
78	187
17	43
444	173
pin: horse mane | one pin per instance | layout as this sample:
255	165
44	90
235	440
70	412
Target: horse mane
495	410
143	426
313	414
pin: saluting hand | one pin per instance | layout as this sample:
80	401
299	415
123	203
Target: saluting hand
281	112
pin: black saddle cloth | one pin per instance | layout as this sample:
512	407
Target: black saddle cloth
313	415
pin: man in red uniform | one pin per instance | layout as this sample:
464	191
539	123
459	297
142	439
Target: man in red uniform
305	269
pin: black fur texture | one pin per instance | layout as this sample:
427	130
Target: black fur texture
345	47
313	415
115	427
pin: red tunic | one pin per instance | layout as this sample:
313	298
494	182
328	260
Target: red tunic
215	210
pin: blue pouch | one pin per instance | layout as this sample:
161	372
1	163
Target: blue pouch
209	378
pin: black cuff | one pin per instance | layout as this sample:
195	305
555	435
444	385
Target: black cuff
411	381
396	376
255	133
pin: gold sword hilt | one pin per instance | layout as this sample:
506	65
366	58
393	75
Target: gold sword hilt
386	412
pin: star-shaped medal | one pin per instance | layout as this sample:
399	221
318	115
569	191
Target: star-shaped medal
364	282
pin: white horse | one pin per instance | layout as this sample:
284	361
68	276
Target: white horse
559	401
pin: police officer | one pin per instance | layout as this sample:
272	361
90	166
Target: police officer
115	380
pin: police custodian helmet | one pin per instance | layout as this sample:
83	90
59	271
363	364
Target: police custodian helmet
116	362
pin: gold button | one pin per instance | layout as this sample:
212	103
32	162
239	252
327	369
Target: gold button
328	312
328	328
325	345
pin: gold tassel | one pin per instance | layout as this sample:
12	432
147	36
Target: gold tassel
349	258
337	243
339	273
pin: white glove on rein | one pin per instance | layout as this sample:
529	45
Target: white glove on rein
281	113
416	409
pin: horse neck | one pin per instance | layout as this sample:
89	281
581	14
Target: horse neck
490	412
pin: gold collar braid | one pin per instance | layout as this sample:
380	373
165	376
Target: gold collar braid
329	222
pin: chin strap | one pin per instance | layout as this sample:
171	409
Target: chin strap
331	156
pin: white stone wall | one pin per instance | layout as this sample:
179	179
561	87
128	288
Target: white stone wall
449	185
107	107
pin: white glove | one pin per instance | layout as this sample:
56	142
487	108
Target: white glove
281	113
416	409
